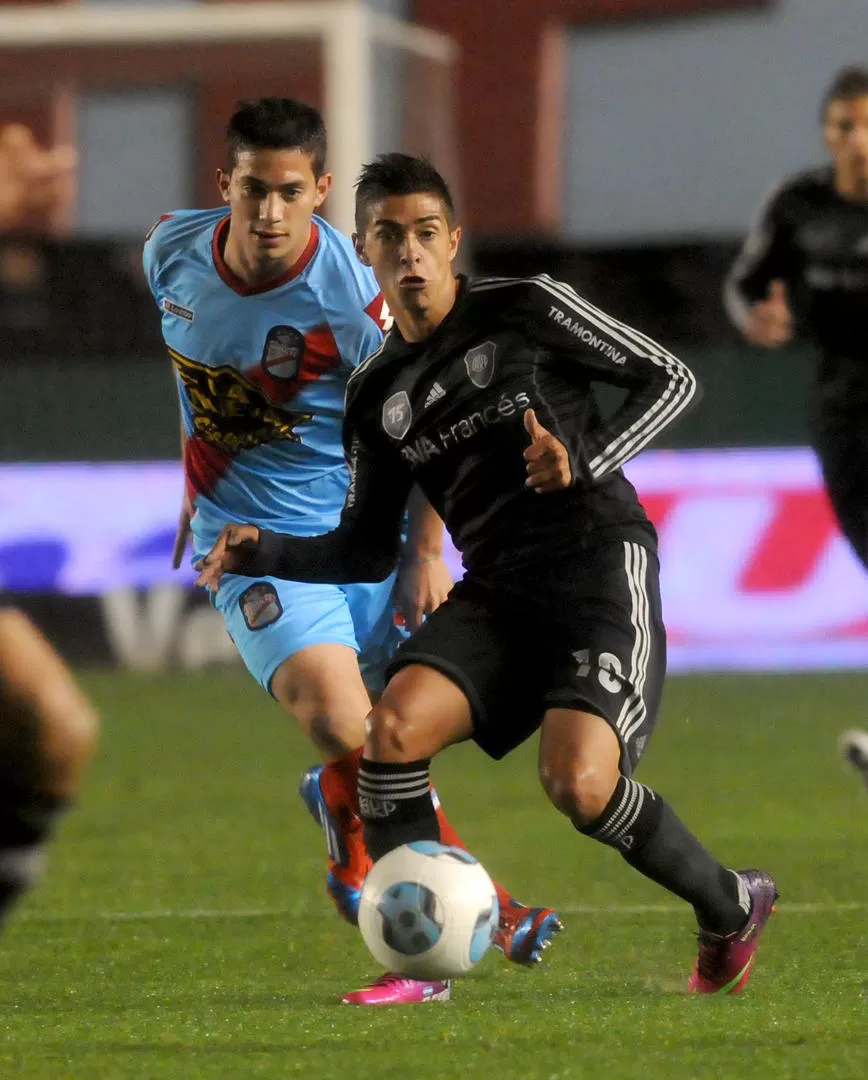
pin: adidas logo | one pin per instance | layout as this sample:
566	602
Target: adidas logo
434	394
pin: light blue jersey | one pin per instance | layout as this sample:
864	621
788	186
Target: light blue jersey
261	374
261	370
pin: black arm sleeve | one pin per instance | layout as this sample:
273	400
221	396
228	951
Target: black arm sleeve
596	347
366	543
766	254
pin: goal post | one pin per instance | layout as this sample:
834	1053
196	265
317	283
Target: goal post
114	47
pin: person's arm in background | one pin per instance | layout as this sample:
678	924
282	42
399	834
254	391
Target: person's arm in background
152	260
37	185
755	292
184	531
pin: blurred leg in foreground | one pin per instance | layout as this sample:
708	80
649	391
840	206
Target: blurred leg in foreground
48	732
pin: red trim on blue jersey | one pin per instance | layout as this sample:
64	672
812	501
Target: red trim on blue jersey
378	309
160	220
218	243
204	464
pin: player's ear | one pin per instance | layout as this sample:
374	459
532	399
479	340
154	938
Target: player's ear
223	181
359	245
454	241
323	184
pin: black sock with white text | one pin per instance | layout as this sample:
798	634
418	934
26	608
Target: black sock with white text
395	804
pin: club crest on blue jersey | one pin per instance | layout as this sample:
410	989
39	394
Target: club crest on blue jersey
260	605
397	415
480	364
283	352
229	410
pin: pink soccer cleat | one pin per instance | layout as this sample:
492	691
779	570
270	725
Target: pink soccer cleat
725	960
392	989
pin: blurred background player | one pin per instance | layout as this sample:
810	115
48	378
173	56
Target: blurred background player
803	270
557	623
48	732
266	311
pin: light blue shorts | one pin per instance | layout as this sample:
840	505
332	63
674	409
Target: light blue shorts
270	619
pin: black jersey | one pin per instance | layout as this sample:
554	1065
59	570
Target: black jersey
817	242
446	413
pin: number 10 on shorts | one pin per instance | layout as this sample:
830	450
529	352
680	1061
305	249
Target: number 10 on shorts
608	668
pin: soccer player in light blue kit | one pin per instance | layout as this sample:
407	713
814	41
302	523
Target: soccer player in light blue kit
265	312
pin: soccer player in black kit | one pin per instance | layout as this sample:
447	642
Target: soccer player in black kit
803	271
482	394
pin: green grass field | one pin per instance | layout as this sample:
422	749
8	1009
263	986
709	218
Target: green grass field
182	930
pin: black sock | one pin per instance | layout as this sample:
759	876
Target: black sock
653	840
26	822
395	804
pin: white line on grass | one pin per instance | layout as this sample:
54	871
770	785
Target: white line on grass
811	908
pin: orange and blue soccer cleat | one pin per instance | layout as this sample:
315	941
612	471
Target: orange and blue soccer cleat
331	806
524	932
392	989
725	961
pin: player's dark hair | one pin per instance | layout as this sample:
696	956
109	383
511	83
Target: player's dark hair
849	83
399	174
276	123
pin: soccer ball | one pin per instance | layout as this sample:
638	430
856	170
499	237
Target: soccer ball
428	911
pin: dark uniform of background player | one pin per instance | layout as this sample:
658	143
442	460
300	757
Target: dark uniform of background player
557	623
804	271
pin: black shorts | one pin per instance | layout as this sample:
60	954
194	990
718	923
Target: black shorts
840	438
584	635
